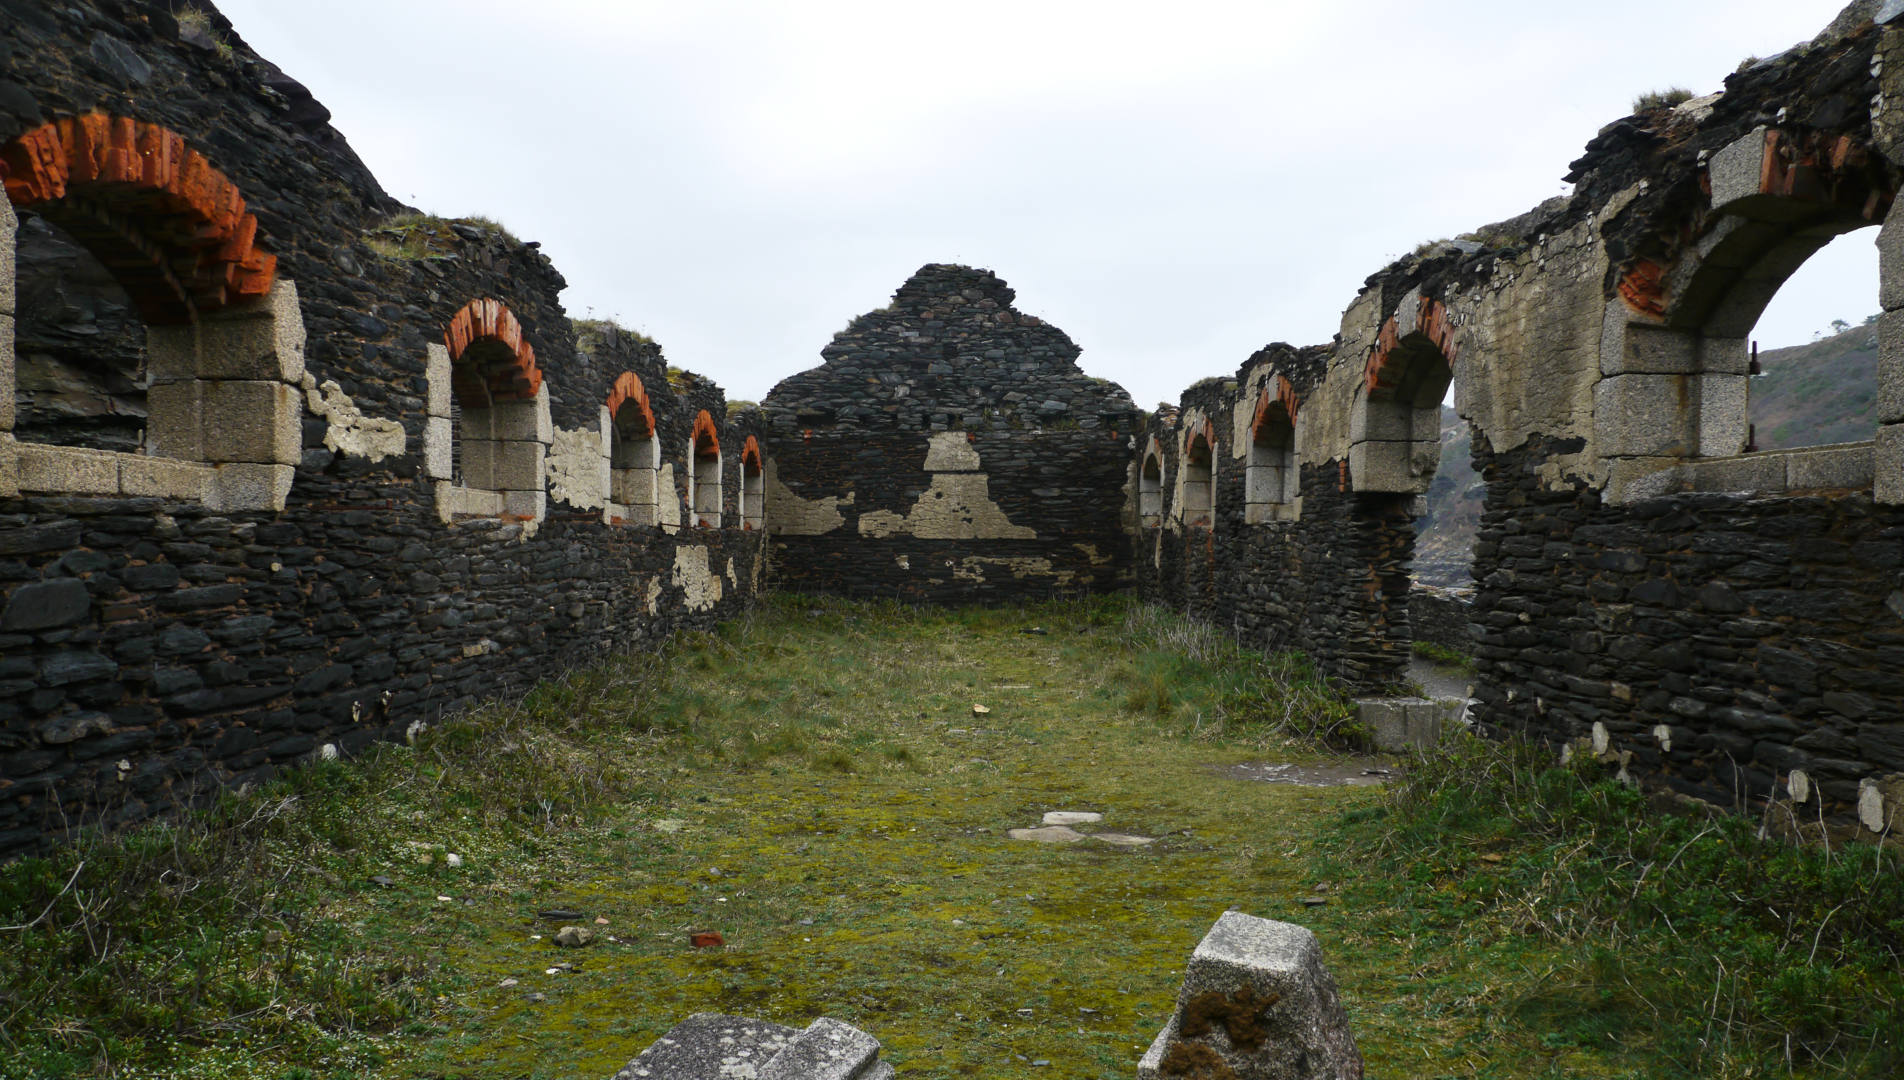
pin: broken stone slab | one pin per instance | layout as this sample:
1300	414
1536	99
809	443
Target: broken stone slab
709	1046
1258	1004
826	1050
1072	817
714	1046
1050	834
1396	724
1123	839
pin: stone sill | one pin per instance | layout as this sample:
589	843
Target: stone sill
454	502
42	468
1837	467
1269	513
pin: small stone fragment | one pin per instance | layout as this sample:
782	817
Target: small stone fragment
706	939
1051	834
979	710
559	915
1123	839
1072	817
574	937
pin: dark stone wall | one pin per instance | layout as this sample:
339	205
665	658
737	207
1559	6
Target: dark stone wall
950	355
1069	486
1332	584
152	650
1755	628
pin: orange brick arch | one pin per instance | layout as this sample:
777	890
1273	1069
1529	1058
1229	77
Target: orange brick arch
1285	396
628	392
704	429
1386	367
507	367
171	228
1205	434
750	455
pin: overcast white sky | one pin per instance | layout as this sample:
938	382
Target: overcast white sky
1174	184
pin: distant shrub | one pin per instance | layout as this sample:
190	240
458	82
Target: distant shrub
1661	99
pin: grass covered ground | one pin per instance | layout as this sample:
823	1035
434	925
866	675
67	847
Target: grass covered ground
813	784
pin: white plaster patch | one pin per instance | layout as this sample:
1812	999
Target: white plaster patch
951	451
578	474
958	506
349	431
654	595
795	516
696	579
1870	805
732	579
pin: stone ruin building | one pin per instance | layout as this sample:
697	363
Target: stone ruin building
286	468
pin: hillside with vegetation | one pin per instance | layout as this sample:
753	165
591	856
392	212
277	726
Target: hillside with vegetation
1808	395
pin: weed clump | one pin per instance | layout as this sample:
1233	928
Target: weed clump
1661	99
1706	934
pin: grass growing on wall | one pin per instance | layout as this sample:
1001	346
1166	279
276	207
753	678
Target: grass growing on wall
813	782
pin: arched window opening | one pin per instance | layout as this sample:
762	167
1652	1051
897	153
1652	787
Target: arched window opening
497	415
1270	477
634	454
1198	493
1150	489
704	473
753	487
1673	410
1395	428
1817	343
159	353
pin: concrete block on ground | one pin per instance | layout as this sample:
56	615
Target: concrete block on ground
1643	415
68	469
252	420
709	1046
252	486
1396	724
1258	1004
